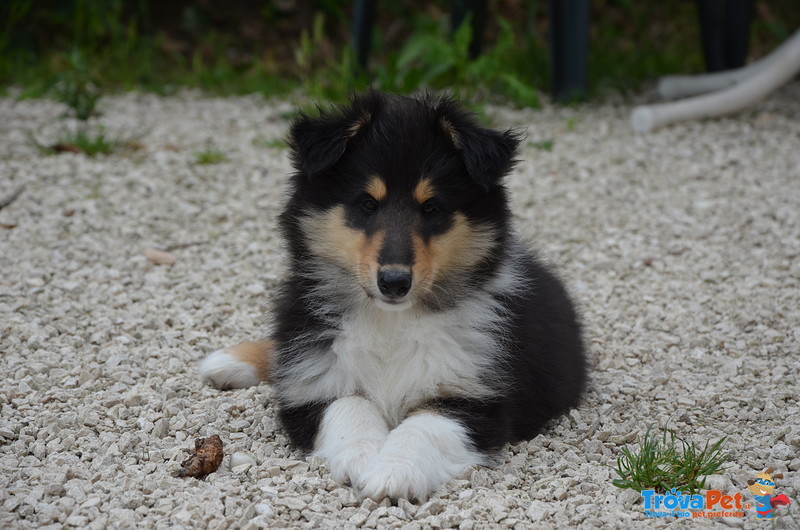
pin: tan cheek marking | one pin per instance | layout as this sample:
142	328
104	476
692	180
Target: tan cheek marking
377	188
461	247
422	271
331	238
423	191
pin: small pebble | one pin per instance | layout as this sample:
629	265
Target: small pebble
159	257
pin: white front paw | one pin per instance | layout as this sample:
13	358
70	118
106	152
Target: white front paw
395	477
348	464
419	455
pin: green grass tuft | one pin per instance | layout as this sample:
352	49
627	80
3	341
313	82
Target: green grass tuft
270	143
81	140
76	89
667	461
543	145
209	155
92	144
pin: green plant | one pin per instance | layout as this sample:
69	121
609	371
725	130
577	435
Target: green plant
270	143
270	48
76	88
210	155
668	461
91	143
80	140
544	145
327	76
432	57
629	47
572	123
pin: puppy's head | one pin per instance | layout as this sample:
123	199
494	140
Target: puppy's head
398	197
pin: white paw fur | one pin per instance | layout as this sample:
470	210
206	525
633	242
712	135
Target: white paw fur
224	371
347	466
352	432
422	453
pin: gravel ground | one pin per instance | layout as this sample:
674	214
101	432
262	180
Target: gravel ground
681	246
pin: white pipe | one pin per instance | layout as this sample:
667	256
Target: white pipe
750	90
681	86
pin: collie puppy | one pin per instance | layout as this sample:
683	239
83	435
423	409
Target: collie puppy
414	335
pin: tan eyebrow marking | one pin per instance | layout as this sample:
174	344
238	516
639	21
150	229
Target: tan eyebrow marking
377	188
424	191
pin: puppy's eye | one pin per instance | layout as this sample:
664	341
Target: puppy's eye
430	208
369	204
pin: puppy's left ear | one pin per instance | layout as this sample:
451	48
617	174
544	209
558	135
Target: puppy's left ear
488	154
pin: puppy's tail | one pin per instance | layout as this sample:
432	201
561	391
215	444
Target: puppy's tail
240	366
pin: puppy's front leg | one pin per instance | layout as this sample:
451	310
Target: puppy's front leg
426	450
351	433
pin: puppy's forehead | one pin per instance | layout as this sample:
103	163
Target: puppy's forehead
402	152
409	129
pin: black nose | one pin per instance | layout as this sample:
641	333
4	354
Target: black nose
394	282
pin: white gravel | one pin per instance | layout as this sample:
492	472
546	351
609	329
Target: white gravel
682	247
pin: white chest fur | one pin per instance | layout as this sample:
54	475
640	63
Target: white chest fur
399	360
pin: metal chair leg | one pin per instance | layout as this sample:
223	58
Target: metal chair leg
479	10
569	48
725	32
363	19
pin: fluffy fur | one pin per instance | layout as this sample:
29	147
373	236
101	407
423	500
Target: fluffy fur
414	336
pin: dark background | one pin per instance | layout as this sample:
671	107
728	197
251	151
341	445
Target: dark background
289	46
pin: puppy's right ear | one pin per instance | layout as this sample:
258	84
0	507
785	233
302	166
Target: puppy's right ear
318	143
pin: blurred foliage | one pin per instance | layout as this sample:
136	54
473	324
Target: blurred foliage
82	139
434	57
75	88
210	155
73	49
